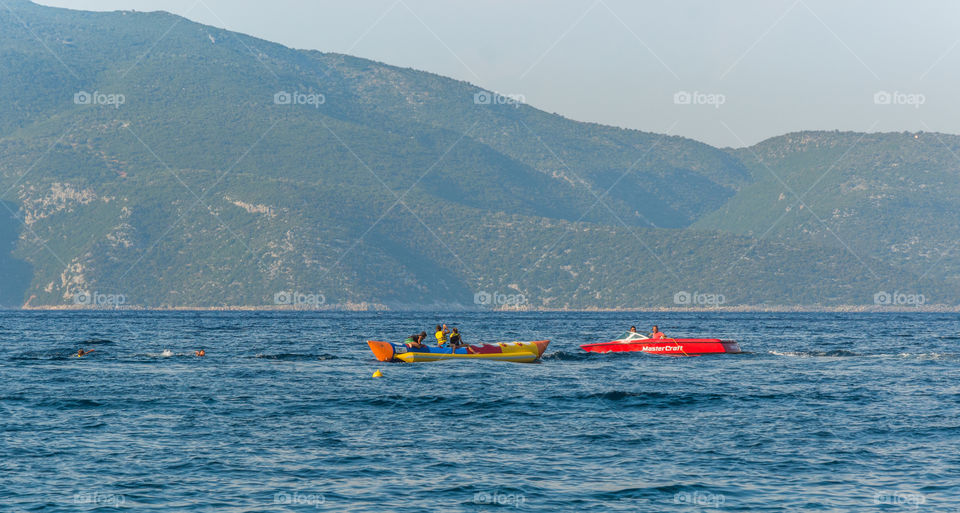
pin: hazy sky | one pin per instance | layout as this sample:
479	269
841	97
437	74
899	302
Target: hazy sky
762	68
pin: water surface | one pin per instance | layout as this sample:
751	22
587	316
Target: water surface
826	412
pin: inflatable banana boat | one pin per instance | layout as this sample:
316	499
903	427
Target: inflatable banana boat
524	352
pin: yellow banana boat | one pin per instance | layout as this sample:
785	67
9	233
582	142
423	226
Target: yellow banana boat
523	352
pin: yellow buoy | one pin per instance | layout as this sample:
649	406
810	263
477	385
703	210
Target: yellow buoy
378	374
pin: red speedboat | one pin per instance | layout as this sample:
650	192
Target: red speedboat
670	346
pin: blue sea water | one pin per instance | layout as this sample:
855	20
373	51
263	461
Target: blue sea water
825	412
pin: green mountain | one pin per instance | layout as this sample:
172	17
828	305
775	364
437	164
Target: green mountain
148	160
886	197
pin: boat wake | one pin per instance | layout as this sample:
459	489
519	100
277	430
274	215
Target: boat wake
96	342
839	353
45	355
293	357
568	356
166	353
645	398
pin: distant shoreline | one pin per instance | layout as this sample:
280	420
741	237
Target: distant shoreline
452	308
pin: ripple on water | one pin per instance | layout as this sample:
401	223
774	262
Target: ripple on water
818	416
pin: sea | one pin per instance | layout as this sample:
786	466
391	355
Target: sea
822	412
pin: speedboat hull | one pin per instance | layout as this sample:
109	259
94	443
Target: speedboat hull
524	352
669	346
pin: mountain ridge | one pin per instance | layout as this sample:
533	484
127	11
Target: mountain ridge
399	188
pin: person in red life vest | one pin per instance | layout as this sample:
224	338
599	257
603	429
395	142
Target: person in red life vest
656	334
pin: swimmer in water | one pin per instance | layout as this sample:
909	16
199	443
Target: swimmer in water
200	352
81	352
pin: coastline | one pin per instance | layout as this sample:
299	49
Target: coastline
364	307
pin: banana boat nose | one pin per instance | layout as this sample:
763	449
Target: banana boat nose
382	350
541	347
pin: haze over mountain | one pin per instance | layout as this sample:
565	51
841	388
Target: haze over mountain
169	163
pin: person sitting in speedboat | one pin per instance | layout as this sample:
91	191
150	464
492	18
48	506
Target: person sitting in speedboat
656	333
633	329
416	341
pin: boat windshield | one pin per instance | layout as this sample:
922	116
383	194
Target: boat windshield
633	336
